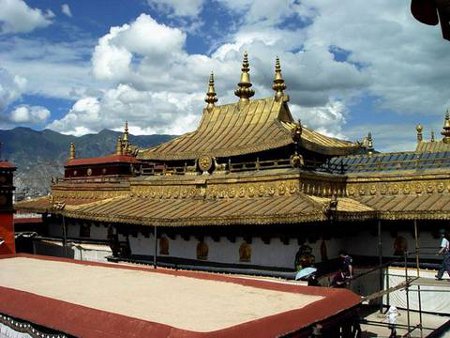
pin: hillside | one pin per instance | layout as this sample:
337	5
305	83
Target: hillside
40	155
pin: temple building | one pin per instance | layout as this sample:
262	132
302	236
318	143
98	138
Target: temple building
250	189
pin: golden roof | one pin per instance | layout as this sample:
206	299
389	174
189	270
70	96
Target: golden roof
187	212
395	207
237	129
434	146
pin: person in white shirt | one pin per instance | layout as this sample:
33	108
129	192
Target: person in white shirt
444	251
391	316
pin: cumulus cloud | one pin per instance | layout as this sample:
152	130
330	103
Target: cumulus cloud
113	56
11	87
182	8
17	17
25	114
65	9
147	112
406	61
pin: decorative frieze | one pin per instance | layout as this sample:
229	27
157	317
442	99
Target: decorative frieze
417	187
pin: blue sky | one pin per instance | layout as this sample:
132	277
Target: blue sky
81	66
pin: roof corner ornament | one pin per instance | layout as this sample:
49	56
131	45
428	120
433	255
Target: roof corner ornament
419	130
446	129
211	98
296	160
72	153
244	92
278	82
119	146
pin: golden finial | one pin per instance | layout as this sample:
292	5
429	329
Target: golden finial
419	130
278	82
370	143
244	92
211	93
125	134
432	136
446	129
119	146
72	151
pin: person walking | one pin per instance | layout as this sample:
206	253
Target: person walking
444	251
391	316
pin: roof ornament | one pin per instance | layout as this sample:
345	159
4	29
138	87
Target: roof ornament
119	146
125	135
370	143
278	82
419	130
432	136
72	151
446	129
244	92
211	94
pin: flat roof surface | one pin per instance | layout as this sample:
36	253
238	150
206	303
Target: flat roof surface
187	301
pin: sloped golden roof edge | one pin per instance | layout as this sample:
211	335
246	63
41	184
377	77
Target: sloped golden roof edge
203	221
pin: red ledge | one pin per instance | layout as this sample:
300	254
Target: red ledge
87	322
101	160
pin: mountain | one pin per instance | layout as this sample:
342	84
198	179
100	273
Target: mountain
40	155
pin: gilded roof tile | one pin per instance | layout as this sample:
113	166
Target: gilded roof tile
425	206
432	147
186	212
236	129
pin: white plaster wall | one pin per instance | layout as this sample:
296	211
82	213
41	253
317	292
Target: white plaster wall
99	232
141	245
91	255
275	254
73	230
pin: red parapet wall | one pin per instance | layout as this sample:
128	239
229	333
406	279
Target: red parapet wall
7	234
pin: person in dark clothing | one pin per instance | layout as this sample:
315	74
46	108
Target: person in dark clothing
339	280
346	264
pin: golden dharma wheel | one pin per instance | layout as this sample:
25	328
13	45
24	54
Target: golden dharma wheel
205	163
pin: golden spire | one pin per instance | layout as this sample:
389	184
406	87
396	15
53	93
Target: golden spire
446	129
370	143
278	82
432	136
125	134
119	146
72	151
211	93
244	92
419	130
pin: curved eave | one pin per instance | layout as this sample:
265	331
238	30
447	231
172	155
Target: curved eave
202	221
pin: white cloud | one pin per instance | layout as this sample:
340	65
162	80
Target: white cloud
65	8
182	8
406	61
17	17
146	112
56	70
113	56
25	114
327	119
11	87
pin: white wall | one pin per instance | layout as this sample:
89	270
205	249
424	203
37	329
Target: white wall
274	254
